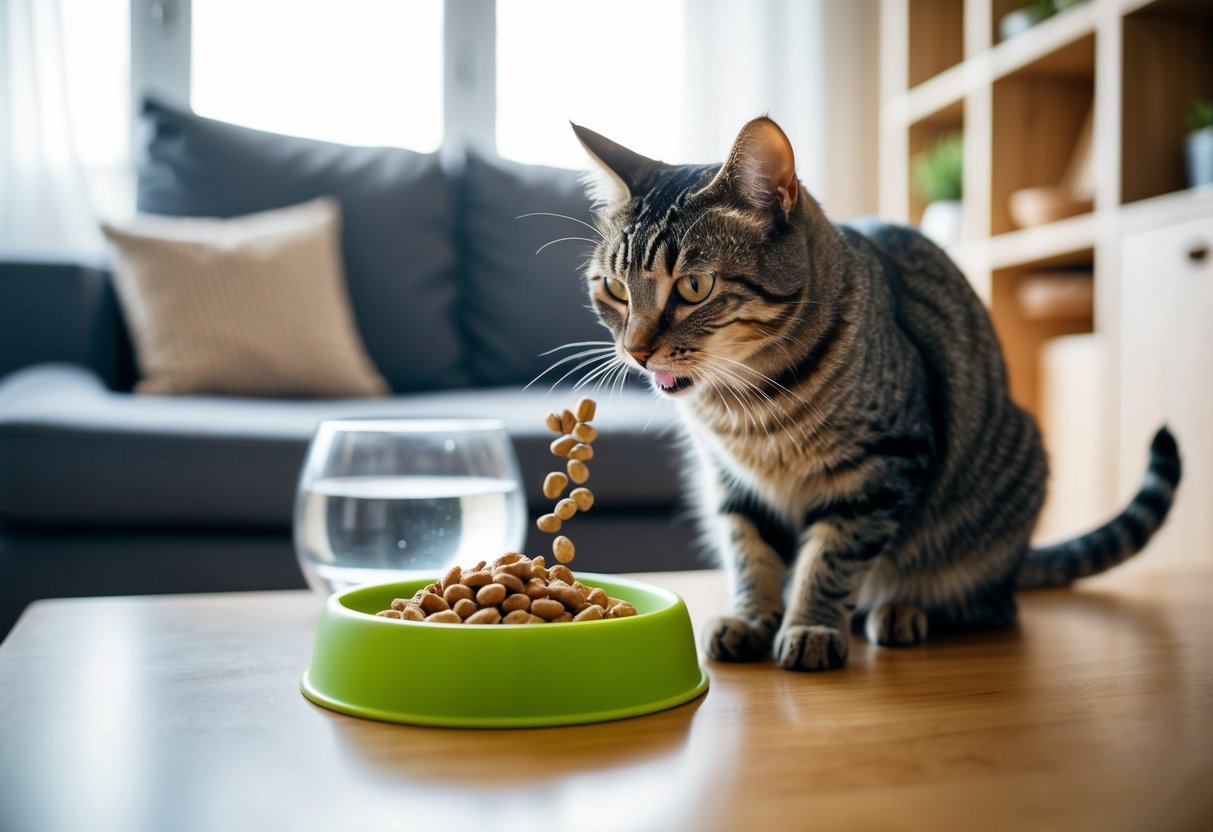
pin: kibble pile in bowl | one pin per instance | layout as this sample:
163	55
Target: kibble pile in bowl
513	589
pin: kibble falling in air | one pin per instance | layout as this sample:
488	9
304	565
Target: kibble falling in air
574	445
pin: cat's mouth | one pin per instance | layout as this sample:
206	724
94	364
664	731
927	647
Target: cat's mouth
668	383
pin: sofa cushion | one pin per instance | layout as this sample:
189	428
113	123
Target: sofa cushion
54	310
249	306
519	301
72	451
398	230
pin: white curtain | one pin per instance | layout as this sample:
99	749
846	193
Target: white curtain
809	64
44	201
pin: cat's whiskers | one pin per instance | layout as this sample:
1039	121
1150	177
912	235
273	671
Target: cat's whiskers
598	374
572	344
598	348
563	217
720	388
621	378
750	404
761	376
573	357
754	395
587	363
564	239
593	374
610	374
783	419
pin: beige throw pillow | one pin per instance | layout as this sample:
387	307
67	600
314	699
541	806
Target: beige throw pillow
249	306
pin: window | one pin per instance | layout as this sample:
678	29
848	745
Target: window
365	72
96	58
617	68
673	79
96	74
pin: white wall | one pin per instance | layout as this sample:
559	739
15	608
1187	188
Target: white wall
813	66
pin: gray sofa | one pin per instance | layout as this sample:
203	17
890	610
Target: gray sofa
103	491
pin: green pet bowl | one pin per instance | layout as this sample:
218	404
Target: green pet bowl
503	676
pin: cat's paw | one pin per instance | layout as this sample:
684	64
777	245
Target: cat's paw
811	647
730	639
896	625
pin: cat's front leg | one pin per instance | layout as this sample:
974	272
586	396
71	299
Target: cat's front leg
756	574
830	567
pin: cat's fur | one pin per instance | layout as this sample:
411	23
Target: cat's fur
844	394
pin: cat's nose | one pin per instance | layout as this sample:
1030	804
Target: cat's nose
641	355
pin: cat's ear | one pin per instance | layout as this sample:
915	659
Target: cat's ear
621	167
760	169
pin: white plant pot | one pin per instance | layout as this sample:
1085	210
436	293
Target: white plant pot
1018	21
1200	157
941	222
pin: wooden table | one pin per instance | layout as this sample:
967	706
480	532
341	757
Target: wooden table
184	713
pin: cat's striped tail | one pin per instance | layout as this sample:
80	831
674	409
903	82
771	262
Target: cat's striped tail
1118	539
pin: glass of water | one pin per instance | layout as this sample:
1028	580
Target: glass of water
397	499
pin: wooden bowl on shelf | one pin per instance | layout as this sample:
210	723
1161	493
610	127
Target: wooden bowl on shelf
1030	207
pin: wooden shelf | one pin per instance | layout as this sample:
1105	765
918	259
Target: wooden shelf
943	92
1177	206
1168	61
1048	47
1045	245
1127	68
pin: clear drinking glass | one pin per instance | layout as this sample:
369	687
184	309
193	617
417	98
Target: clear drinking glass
395	499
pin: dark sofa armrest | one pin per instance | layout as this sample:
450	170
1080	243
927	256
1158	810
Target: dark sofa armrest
53	310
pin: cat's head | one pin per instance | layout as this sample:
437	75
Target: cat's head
702	271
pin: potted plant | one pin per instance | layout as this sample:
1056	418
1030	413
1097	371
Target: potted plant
1200	142
1017	21
937	181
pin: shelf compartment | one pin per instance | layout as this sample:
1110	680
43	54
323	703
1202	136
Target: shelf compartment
1024	328
1045	245
923	134
1041	116
1045	42
1168	61
1072	399
936	38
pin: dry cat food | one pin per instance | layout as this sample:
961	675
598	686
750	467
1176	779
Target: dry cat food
574	443
513	589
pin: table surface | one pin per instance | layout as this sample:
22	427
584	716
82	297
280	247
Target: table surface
184	713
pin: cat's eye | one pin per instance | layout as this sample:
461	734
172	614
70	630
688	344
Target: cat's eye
694	287
616	288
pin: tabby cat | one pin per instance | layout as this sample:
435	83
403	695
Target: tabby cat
858	459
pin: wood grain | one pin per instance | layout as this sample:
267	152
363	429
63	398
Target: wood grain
1037	122
936	35
184	713
1168	62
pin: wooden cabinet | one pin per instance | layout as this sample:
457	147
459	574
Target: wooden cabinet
1166	345
1096	94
